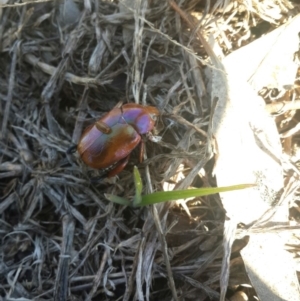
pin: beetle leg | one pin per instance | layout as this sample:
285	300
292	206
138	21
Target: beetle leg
102	127
119	167
122	117
71	149
119	104
97	180
142	150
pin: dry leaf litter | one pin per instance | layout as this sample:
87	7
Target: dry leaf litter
63	65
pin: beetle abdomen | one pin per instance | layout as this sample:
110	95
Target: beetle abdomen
99	150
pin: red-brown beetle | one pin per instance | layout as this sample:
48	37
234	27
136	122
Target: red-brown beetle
109	141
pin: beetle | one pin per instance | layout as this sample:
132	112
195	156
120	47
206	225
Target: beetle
108	142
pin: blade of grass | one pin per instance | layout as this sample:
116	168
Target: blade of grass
116	199
164	196
138	187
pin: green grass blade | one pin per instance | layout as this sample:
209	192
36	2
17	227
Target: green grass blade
138	187
116	199
164	196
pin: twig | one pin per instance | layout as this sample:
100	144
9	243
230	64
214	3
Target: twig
98	276
183	121
230	227
11	85
130	283
80	116
61	281
139	17
24	3
191	24
90	81
164	245
283	106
